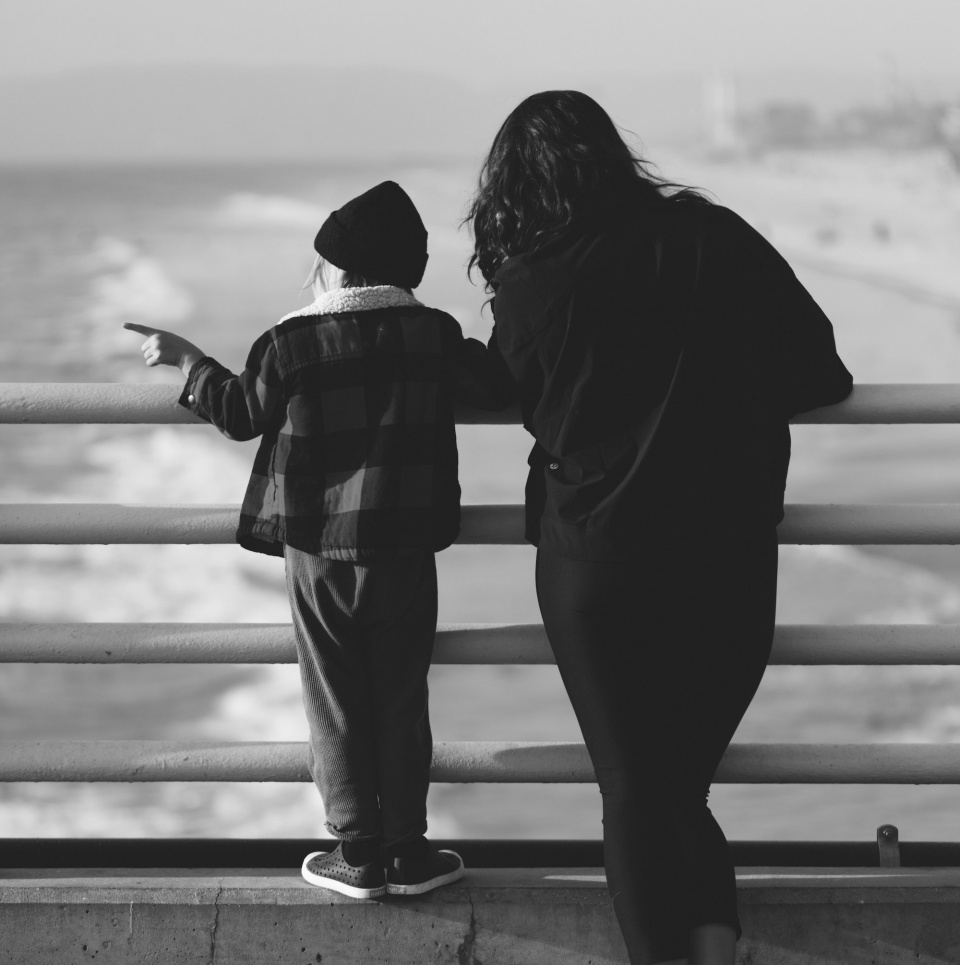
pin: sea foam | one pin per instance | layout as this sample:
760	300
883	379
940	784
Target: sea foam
125	285
130	286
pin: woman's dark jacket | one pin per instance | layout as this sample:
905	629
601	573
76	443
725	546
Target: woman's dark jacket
660	350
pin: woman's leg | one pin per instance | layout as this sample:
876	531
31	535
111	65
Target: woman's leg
660	659
709	945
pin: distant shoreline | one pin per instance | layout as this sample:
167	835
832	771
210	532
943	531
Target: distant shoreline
909	289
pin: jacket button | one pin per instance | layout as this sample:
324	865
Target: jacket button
554	465
191	399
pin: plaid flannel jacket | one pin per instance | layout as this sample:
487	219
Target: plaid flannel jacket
358	459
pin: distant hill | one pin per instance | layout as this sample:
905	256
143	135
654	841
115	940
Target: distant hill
224	113
199	113
298	113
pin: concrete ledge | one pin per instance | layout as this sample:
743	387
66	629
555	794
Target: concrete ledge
516	916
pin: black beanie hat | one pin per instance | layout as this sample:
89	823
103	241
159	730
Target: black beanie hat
379	235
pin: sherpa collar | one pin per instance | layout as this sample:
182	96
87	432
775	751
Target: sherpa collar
357	300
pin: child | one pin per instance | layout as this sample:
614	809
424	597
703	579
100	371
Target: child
355	485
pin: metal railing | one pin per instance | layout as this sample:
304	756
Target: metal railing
462	644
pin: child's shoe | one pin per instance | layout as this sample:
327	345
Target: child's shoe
329	869
421	869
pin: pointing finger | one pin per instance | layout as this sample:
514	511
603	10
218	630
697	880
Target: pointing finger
142	329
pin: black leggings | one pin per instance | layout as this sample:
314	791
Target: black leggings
660	658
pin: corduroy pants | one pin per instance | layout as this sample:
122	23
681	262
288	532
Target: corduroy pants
661	657
364	638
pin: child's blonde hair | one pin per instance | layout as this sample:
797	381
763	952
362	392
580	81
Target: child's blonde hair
326	277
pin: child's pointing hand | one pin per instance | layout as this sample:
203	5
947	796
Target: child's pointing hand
166	348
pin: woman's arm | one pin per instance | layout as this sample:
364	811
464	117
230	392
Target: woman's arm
517	310
759	288
481	378
811	372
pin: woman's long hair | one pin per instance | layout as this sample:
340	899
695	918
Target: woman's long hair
554	152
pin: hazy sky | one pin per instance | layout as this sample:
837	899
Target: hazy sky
447	70
504	39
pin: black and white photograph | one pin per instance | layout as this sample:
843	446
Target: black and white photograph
480	483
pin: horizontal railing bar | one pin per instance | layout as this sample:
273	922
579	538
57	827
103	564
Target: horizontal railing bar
891	404
467	762
65	403
37	403
808	523
208	853
125	523
288	852
242	643
868	644
524	643
109	402
879	524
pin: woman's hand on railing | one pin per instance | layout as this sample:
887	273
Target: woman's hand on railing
166	348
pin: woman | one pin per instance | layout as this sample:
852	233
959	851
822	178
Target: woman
660	346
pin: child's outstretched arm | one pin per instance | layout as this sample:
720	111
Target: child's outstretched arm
240	406
166	348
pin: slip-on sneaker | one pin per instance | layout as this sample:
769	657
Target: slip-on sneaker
329	869
429	870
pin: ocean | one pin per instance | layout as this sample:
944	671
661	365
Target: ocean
219	253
